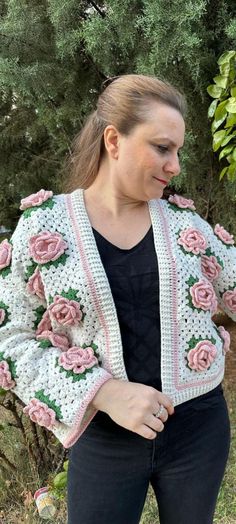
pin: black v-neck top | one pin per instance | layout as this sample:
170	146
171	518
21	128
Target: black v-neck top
133	278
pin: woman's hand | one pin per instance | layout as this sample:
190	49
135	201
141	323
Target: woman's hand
133	405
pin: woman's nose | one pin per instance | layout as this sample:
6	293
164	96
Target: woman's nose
173	166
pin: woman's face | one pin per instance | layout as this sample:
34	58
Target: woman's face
147	159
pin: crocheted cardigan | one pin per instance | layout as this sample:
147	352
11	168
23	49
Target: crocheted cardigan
59	333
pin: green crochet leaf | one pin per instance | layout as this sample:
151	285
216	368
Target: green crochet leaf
12	367
3	306
220	262
2	392
230	288
56	263
7	313
30	270
194	341
5	272
50	203
39	312
94	347
40	395
180	209
191	281
71	294
189	252
44	343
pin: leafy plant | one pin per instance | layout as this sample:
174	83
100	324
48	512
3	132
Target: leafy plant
223	111
59	482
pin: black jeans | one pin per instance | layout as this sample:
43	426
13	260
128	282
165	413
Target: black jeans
110	467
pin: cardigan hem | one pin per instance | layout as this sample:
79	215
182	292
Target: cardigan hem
85	414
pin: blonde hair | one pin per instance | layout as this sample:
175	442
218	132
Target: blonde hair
124	104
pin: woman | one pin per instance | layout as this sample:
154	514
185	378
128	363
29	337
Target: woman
107	303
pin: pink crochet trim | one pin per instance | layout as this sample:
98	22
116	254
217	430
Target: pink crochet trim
89	275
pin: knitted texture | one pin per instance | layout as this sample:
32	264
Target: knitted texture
59	332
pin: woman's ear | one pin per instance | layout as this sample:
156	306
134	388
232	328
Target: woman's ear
111	141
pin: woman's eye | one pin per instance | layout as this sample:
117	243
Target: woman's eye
162	149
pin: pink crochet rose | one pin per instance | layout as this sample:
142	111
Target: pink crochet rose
5	253
46	247
229	298
193	241
201	357
223	235
66	312
78	359
35	284
184	203
44	324
226	339
36	199
203	296
6	381
40	413
210	267
57	340
2	315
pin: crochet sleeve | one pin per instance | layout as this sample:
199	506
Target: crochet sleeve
219	265
55	381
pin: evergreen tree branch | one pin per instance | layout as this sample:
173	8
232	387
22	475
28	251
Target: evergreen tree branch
19	42
40	157
97	9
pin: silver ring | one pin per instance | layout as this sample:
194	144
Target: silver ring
160	411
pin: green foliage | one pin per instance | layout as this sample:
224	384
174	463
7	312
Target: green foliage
223	112
58	483
55	56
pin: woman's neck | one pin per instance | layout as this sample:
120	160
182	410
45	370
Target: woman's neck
105	194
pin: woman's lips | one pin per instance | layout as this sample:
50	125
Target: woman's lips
162	181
